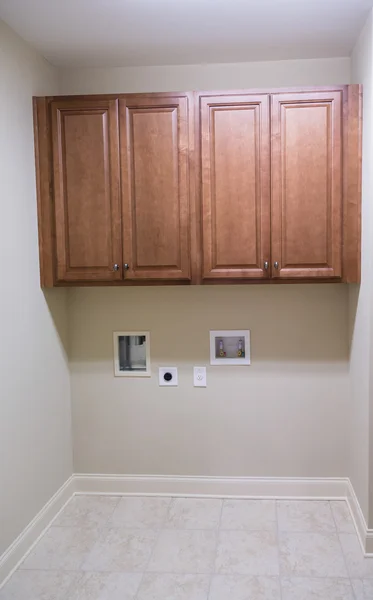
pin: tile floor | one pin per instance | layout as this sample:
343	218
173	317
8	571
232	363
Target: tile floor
137	548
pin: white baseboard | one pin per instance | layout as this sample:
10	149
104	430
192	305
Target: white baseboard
237	487
328	488
161	485
24	543
365	535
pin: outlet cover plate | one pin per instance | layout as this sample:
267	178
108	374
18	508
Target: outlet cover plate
199	377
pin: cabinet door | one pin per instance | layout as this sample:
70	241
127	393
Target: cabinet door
235	186
307	184
155	187
86	189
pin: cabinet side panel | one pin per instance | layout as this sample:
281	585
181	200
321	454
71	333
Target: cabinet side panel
43	191
352	164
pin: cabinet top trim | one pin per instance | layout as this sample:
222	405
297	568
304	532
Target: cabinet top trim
201	93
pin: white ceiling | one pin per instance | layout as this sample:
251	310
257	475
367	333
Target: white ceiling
89	33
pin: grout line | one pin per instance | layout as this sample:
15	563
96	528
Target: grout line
240	529
155	543
353	590
278	549
211	575
154	547
218	530
149	560
341	547
114	508
148	563
140	584
333	517
321	577
169	507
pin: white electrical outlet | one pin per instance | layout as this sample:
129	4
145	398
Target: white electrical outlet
168	376
199	376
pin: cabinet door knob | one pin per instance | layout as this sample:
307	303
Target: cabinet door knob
276	265
266	265
116	267
126	266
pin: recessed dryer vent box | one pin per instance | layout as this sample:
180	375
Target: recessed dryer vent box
132	354
230	347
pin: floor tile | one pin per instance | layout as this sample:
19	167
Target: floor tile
311	555
194	513
251	515
247	553
358	566
100	547
244	587
39	585
184	552
174	587
124	550
62	548
106	586
342	516
140	512
363	589
87	511
305	515
316	589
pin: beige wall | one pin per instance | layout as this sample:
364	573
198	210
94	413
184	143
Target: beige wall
286	415
35	437
206	77
361	297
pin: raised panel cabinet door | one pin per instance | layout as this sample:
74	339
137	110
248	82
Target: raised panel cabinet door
235	161
155	187
307	184
86	190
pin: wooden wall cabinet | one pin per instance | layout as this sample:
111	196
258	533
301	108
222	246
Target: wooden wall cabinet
199	187
155	187
235	179
86	189
307	199
116	208
280	185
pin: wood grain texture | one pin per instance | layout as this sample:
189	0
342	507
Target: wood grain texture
194	195
205	282
154	133
43	193
86	190
352	168
235	182
315	172
306	184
